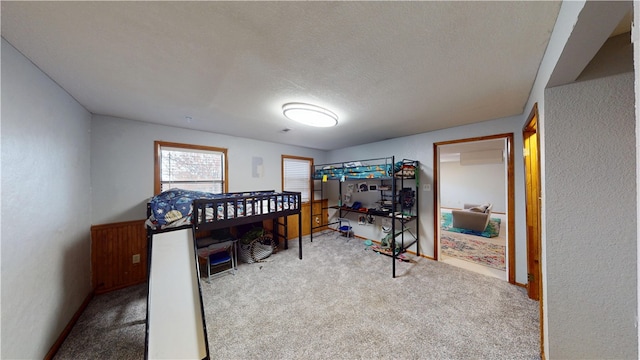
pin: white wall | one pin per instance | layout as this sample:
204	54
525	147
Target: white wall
473	184
122	163
567	18
46	208
420	147
636	61
570	15
591	219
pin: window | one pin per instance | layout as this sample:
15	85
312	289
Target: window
190	167
296	175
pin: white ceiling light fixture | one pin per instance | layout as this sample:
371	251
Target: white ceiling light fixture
310	114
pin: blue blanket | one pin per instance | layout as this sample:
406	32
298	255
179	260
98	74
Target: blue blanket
175	204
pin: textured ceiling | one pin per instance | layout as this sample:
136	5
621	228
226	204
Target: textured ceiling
388	69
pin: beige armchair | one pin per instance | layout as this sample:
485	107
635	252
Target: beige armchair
473	217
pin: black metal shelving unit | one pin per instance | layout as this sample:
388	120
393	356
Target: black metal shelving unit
394	200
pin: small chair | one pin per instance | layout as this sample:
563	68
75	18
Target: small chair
346	229
218	254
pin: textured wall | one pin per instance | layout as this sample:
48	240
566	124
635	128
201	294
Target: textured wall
122	163
420	147
591	219
636	59
473	184
45	208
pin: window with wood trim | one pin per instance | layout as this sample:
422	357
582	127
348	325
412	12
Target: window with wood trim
191	167
296	175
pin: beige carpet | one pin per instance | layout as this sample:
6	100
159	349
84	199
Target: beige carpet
338	302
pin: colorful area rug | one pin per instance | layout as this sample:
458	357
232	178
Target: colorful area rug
475	251
492	230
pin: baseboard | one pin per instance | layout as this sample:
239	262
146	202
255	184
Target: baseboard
65	332
422	255
101	290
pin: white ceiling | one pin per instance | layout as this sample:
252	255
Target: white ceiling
388	69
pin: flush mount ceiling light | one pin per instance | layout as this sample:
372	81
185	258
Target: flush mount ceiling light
310	114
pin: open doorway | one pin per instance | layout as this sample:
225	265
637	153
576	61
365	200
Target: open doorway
474	205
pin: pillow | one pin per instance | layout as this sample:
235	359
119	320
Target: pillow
479	209
488	208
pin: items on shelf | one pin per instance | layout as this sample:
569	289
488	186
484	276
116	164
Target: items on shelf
395	183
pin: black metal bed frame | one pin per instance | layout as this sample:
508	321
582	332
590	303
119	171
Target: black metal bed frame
256	201
384	162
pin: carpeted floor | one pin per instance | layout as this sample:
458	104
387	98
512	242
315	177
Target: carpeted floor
338	302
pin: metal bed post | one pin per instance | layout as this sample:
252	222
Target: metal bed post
300	228
417	220
393	218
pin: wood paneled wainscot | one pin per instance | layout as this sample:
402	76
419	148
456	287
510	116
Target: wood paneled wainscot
292	221
118	255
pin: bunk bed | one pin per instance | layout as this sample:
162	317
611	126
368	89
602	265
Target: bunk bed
174	295
398	184
178	208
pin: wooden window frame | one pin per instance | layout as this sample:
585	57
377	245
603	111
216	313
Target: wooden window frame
292	157
158	145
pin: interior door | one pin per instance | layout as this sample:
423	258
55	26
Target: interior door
532	185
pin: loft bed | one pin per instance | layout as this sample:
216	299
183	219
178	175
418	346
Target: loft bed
393	195
354	170
178	208
174	295
380	168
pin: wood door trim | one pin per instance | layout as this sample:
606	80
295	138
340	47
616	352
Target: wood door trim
533	126
510	196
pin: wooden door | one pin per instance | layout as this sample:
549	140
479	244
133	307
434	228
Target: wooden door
532	185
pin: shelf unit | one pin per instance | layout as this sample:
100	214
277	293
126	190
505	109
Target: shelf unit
398	189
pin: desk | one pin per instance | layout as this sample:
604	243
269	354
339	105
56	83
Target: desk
219	253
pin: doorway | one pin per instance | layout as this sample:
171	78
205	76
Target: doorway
533	195
477	152
531	142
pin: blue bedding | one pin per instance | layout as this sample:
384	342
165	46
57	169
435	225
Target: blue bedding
174	207
174	204
356	172
360	171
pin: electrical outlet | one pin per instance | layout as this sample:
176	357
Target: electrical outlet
136	258
426	187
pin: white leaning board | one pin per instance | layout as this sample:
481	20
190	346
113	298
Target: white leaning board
175	324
